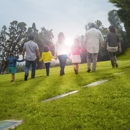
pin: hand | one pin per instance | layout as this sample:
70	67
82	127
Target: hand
102	46
120	49
68	57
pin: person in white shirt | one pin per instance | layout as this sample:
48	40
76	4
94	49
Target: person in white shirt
92	39
61	52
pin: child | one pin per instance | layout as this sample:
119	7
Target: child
75	52
12	65
46	58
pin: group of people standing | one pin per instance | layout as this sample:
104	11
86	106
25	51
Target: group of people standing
92	40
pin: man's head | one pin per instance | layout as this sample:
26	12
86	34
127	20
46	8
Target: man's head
92	25
31	37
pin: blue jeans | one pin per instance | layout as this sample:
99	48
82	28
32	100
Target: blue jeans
27	66
62	59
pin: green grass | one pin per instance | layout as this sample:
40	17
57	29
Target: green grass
104	107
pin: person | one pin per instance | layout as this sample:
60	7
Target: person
92	40
75	52
61	52
113	43
12	65
32	51
46	58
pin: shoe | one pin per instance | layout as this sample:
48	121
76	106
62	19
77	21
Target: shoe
75	71
116	65
88	70
25	78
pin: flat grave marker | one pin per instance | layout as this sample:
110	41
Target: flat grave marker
95	83
9	124
60	96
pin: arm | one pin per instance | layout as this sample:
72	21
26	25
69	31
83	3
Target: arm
41	59
38	53
52	55
105	42
85	41
56	48
119	44
101	39
23	53
83	50
19	60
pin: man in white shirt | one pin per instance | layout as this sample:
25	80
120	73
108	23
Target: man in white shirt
92	39
32	51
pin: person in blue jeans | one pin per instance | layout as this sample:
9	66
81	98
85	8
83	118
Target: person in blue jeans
12	65
61	52
32	52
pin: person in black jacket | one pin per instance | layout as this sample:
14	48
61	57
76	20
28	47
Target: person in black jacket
113	43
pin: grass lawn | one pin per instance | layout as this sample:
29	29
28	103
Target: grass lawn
104	107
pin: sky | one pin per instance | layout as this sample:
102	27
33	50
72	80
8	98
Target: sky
67	16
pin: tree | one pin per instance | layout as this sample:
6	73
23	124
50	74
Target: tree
47	38
11	40
124	14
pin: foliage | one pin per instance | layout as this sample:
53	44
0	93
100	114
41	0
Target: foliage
11	40
124	14
105	106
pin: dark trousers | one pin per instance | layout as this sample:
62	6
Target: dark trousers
62	59
27	66
47	65
112	56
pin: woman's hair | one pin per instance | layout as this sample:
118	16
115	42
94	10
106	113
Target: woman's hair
61	34
112	29
46	49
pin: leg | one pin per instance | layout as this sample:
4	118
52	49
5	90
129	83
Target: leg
115	59
27	66
62	59
47	68
13	77
89	60
94	57
112	59
33	68
77	67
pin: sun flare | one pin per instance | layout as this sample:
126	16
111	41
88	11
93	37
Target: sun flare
69	41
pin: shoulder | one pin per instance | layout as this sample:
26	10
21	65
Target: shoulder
34	43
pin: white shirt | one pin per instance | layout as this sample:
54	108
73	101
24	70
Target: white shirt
92	39
61	48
